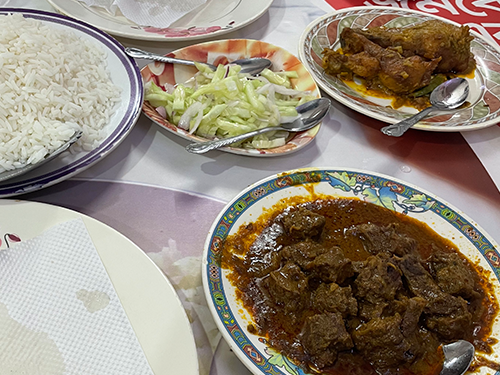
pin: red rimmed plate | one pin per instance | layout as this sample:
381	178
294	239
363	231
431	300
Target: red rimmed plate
484	94
224	51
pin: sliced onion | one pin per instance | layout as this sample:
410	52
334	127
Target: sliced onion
161	111
169	88
291	92
227	71
197	121
188	115
264	88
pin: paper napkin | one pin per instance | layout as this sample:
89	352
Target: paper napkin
155	13
59	312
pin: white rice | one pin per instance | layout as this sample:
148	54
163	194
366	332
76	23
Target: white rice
51	83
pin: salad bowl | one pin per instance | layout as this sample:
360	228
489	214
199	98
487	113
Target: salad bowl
222	52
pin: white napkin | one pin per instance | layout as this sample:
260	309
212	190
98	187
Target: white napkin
59	312
155	13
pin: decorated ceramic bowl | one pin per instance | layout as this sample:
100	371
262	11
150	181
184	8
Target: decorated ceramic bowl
484	96
222	52
227	309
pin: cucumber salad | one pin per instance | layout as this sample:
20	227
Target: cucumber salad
225	102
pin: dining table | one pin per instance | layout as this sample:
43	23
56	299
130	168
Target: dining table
165	199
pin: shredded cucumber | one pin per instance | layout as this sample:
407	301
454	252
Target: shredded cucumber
224	103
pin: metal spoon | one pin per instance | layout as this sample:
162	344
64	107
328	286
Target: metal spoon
7	175
448	95
457	357
310	114
252	65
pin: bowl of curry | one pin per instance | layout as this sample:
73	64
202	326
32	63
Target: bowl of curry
383	62
330	271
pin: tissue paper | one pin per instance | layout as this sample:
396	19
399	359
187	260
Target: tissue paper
154	13
59	312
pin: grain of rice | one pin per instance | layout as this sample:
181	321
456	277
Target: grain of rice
51	83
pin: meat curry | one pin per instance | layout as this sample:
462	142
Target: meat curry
342	286
403	63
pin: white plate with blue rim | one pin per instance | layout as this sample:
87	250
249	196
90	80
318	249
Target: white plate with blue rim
124	73
227	309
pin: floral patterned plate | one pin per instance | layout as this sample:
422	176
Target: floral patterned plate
221	52
232	318
484	96
214	18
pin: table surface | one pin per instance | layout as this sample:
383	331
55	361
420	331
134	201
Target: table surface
175	195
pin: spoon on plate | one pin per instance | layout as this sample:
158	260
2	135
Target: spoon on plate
310	114
448	95
251	65
7	175
457	357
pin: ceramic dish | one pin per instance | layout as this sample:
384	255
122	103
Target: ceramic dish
221	52
214	18
228	312
124	74
149	300
484	97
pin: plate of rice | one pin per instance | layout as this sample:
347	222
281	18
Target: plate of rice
58	75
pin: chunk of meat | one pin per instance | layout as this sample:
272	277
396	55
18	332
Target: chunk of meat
362	64
451	326
263	257
446	315
287	287
414	307
378	280
323	336
401	75
384	239
331	266
303	223
333	298
453	275
302	253
382	342
423	343
429	39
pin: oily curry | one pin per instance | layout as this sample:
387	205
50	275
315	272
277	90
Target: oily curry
342	286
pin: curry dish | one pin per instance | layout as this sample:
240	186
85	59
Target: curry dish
405	63
342	286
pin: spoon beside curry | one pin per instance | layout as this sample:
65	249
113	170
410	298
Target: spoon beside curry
457	357
448	95
251	65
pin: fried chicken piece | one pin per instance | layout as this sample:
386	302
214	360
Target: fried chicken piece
430	39
361	64
401	75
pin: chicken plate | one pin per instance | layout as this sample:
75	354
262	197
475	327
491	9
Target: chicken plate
400	61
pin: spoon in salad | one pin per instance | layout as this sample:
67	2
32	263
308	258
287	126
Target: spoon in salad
251	65
457	357
7	175
310	115
448	95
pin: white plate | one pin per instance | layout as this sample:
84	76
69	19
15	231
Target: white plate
214	18
230	315
150	302
484	95
124	74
